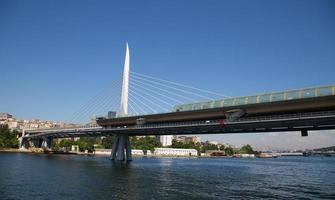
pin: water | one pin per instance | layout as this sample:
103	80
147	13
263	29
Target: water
40	176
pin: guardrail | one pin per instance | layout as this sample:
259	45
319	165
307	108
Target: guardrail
281	117
63	128
245	119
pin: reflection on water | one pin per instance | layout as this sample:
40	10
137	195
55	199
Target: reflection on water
39	176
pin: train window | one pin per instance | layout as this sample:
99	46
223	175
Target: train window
264	98
277	96
240	101
252	99
211	104
177	108
187	107
217	104
228	102
308	93
325	91
293	95
197	106
205	105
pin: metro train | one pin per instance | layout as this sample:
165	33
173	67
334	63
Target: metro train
313	104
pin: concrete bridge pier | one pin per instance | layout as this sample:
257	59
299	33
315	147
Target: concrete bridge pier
37	142
121	149
46	143
23	143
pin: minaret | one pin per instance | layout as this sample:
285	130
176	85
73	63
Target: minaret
125	86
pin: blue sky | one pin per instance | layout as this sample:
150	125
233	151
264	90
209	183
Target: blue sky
55	55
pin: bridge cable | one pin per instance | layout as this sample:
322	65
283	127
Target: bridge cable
87	108
136	105
147	99
91	110
141	102
183	85
174	88
150	95
155	92
169	92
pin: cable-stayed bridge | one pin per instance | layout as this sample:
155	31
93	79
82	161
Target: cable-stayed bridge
148	105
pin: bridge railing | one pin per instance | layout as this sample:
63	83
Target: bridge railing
62	128
203	122
244	119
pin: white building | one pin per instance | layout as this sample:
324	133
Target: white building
4	116
108	152
175	152
13	125
166	140
212	142
137	152
247	155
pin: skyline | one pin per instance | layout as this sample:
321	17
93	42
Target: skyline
50	49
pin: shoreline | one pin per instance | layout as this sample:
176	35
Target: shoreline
41	151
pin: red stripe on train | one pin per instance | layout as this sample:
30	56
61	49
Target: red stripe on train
221	122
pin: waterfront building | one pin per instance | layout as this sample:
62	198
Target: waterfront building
75	148
194	139
212	142
175	152
247	155
185	139
166	140
13	125
5	116
107	152
181	138
214	153
19	124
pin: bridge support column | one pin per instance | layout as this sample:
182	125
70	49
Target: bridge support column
23	143
304	132
37	142
46	143
121	148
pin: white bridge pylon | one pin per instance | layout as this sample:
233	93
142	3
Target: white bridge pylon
121	149
141	95
125	86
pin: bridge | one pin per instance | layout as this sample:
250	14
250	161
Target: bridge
295	110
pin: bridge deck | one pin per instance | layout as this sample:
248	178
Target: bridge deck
273	123
261	109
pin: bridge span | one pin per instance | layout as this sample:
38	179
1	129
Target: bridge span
294	110
272	123
323	120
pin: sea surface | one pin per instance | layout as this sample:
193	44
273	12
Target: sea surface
42	176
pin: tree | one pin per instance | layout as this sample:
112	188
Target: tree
207	147
64	143
108	142
8	138
229	151
86	143
246	149
145	143
177	144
